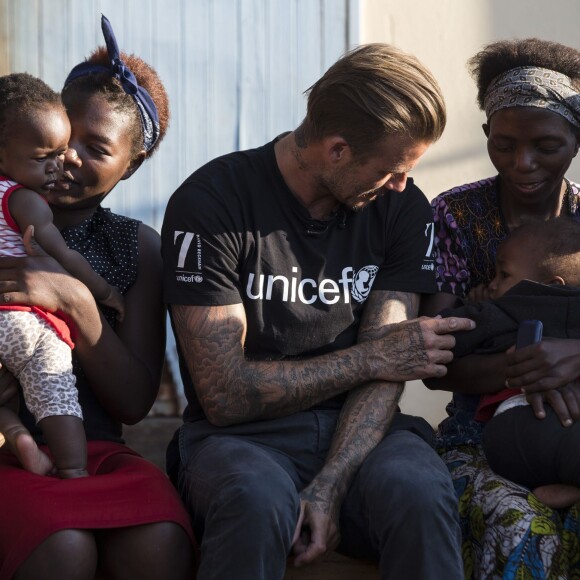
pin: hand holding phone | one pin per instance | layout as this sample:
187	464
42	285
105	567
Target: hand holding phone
529	332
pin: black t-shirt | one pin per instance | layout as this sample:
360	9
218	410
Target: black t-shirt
234	233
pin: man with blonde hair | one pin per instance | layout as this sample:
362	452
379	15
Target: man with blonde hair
293	273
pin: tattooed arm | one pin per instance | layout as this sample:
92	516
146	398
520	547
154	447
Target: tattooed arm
232	389
364	420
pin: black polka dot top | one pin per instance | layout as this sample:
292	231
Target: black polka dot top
109	243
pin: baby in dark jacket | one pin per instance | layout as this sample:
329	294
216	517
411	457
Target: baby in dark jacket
537	277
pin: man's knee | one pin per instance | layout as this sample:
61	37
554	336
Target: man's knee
240	479
269	493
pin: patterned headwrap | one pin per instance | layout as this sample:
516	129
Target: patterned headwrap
118	69
530	86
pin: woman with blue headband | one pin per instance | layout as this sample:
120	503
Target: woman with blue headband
530	92
124	520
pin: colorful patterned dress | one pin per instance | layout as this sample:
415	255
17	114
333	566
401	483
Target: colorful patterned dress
507	532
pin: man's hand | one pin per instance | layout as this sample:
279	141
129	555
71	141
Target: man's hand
547	365
317	529
418	349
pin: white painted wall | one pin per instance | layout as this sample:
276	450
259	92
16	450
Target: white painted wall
443	35
235	70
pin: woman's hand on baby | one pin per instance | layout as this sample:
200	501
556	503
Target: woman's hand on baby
565	401
546	372
546	365
37	279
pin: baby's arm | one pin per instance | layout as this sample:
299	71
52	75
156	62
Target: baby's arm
29	208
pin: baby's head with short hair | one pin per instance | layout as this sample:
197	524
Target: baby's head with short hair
34	132
542	251
22	94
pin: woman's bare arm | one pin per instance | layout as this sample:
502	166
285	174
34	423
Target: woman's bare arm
123	368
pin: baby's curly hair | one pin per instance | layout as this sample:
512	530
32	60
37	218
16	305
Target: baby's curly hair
555	245
22	94
499	57
108	86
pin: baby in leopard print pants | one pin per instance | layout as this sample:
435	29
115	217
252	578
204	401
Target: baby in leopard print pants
35	344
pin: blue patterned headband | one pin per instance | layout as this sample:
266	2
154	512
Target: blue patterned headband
529	86
119	70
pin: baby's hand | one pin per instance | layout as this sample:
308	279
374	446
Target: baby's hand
478	294
115	300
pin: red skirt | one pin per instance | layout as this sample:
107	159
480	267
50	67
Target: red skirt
123	490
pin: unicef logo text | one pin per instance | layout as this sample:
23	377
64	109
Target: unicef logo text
362	282
197	278
307	290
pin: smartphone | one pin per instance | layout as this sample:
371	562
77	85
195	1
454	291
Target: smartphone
529	332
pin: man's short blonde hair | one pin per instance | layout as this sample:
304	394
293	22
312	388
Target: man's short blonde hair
374	91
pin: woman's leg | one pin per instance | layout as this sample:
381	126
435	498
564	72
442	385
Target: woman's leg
161	550
153	551
65	555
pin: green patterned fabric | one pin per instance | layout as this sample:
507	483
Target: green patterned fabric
507	532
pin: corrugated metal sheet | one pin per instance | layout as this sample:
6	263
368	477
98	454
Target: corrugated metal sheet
235	71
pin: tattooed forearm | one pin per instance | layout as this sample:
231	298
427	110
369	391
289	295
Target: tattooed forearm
405	351
364	421
232	389
369	409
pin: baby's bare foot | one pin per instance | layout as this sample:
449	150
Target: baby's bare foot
22	444
72	473
558	495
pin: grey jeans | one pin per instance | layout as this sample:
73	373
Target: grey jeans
241	485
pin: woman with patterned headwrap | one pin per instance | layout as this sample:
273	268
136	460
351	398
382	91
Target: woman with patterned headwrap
124	520
529	90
